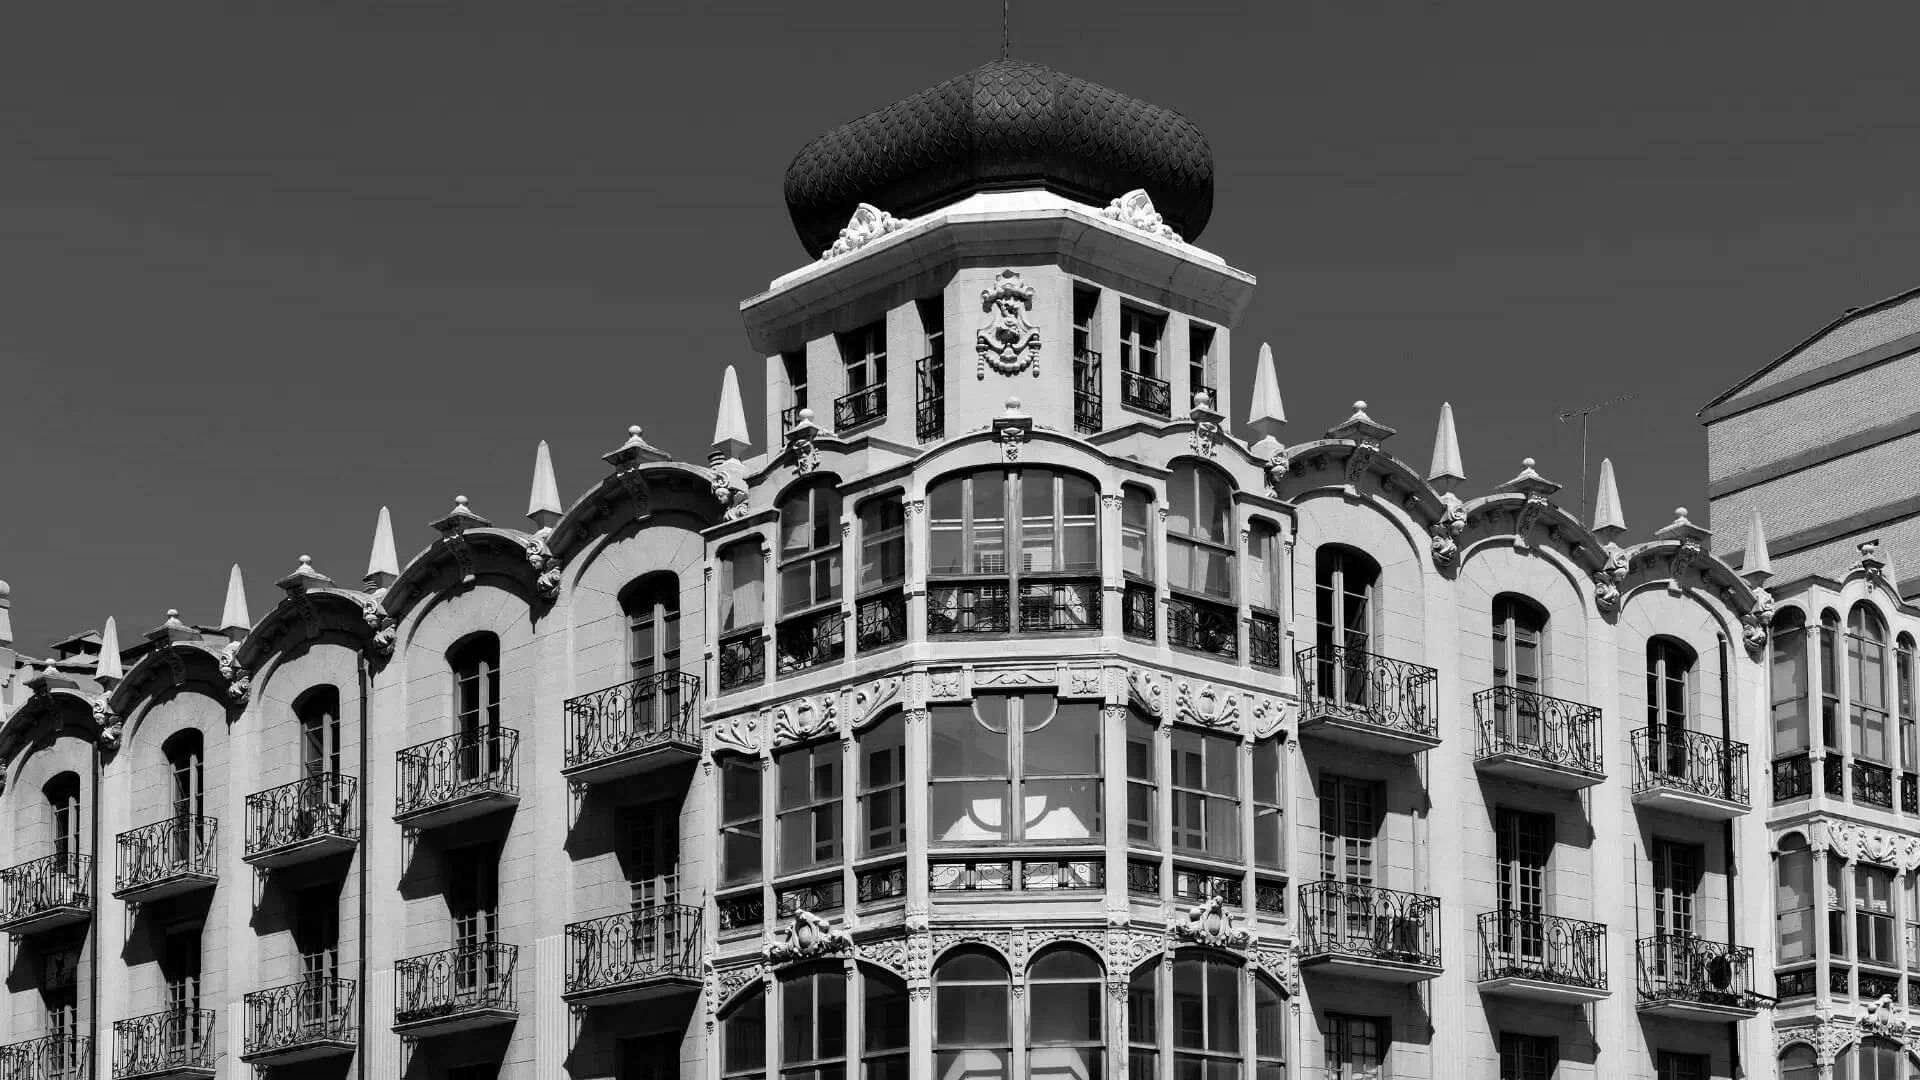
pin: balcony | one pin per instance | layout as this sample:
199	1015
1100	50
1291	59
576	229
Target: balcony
299	822
860	407
167	858
173	1045
52	1057
1368	702
1202	627
930	408
1542	957
1370	932
1538	739
458	989
302	1021
458	778
46	894
1086	391
1146	393
1692	978
637	727
743	660
634	956
810	640
1689	772
881	621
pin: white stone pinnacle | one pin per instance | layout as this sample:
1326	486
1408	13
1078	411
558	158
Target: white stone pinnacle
1755	562
383	560
730	424
1606	505
543	502
107	670
1266	414
1446	467
234	621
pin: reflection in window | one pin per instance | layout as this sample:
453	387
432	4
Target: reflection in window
1143	787
740	587
1867	683
1045	565
1136	536
883	547
740	819
1200	532
972	1030
813	1023
1206	793
743	1037
1788	679
1793	900
809	549
1267	803
1066	1022
883	778
1025	750
809	806
1873	914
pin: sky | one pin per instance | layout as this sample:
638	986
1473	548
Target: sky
265	268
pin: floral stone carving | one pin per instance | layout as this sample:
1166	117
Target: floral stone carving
1210	922
1754	625
1135	209
868	223
1008	343
809	938
1613	574
730	487
1446	531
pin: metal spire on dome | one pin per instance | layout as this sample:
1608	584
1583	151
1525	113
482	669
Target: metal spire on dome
1755	564
107	670
1266	414
543	504
383	566
234	621
730	437
1446	469
1606	505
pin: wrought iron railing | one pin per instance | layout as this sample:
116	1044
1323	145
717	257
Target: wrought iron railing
1199	626
1139	613
660	942
173	847
971	608
860	407
1877	984
1544	729
930	412
1194	883
743	659
313	1010
654	710
50	1057
1787	984
1910	796
1683	968
177	1040
1027	875
881	621
1146	393
464	979
1377	690
45	884
1059	607
1872	784
818	896
877	884
1792	777
1534	945
806	641
1368	922
790	416
1086	391
458	767
1690	761
1264	640
314	806
1833	775
1270	897
741	911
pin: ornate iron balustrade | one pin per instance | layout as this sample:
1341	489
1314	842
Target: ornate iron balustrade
1270	897
1833	775
972	608
1146	393
1545	729
1372	689
790	416
1139	614
1689	761
657	709
1688	969
1198	626
860	407
877	884
50	1057
1059	607
881	621
1191	883
44	885
1026	875
1872	784
171	848
1840	979
1264	640
1044	875
1143	877
819	896
464	979
1877	984
301	1014
1369	922
311	807
178	1040
1548	948
1910	796
1086	391
660	942
458	767
1788	984
742	911
930	413
1792	777
810	640
743	659
971	876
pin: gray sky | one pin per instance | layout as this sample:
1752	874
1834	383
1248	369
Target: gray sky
266	267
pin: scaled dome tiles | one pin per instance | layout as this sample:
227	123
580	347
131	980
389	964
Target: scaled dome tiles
1005	124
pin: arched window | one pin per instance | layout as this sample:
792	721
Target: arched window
476	679
1798	1063
743	1037
63	799
1221	1021
809	807
319	713
972	1025
1343	585
1066	1018
883	791
1029	751
1054	572
885	1027
882	611
1269	1026
1788	668
1874	1059
1669	694
652	608
1519	628
1867	684
1793	900
1200	562
813	1022
1206	1015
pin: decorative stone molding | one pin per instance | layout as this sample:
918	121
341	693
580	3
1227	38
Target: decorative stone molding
1269	715
916	507
1283	963
1110	502
1873	565
1085	682
723	984
865	703
868	223
1016	676
1362	455
1855	843
802	443
1206	705
1205	439
1882	1019
109	722
1527	516
729	485
1612	575
804	718
1135	210
1009	943
1275	471
1146	691
1007	343
177	664
1211	922
1683	559
239	679
908	956
1445	531
546	568
1756	623
1012	429
809	938
945	685
740	734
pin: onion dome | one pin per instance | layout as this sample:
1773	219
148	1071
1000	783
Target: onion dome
1005	124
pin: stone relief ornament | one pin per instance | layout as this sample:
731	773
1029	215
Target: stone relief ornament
1207	705
801	443
1268	715
1211	922
810	937
1275	471
1135	209
109	722
1085	682
868	223
1526	516
806	718
740	733
1756	622
1364	451
724	983
944	684
546	568
909	955
1854	843
1612	575
867	701
729	485
1008	343
1445	531
239	679
1880	1019
1683	558
1146	690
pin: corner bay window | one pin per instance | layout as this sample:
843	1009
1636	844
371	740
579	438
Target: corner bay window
740	820
1200	561
743	655
883	791
1207	1032
1028	751
882	610
1867	685
809	820
1206	794
1793	901
1788	678
979	571
972	1029
812	629
813	1023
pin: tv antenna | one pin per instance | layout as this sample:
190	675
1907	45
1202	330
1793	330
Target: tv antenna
1583	414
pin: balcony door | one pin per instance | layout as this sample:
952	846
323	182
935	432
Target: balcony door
1523	846
319	714
1517	668
1349	828
652	606
316	933
473	901
653	878
180	968
186	762
59	992
1676	883
1343	584
1669	682
476	669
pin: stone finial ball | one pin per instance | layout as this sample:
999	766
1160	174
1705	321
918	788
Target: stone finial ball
1679	511
1526	463
633	430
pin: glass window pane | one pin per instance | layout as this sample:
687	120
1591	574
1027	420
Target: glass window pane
969	810
1068	744
1067	1012
962	746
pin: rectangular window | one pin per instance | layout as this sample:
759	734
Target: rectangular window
1676	881
1837	925
1793	905
316	931
796	365
740	592
933	324
1143	788
1140	334
473	895
1026	750
1349	824
1668	1065
1268	761
1788	675
1200	363
883	543
1528	1057
809	818
320	738
1136	535
864	352
1910	897
652	862
1206	794
740	819
1263	566
1523	843
1086	327
1873	916
809	549
1356	1047
883	792
180	967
